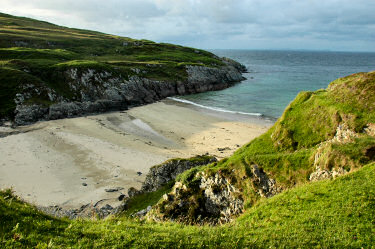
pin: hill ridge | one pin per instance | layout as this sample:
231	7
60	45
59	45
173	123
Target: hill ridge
49	72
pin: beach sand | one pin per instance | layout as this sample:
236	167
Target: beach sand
70	162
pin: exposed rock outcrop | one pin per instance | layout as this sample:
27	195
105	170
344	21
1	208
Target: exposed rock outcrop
264	186
322	165
162	174
96	91
222	199
212	199
101	210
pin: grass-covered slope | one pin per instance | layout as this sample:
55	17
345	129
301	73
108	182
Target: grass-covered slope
320	135
336	213
38	53
331	213
286	150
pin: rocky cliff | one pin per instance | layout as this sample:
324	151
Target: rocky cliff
50	72
166	172
100	91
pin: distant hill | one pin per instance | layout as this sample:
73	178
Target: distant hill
43	65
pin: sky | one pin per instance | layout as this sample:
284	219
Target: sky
337	25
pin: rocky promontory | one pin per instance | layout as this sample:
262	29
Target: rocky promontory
100	91
62	72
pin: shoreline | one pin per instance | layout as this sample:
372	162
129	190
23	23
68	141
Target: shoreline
71	162
254	118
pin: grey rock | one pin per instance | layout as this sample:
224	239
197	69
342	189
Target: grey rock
121	197
162	174
221	198
343	135
241	68
218	201
133	192
28	114
142	213
100	91
265	186
110	190
107	207
122	207
85	211
223	149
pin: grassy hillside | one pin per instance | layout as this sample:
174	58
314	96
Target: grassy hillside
320	135
287	150
38	53
332	213
336	213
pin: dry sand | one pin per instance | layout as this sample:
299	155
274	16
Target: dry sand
71	162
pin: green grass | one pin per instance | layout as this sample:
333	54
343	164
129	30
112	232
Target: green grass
45	51
286	151
336	213
142	201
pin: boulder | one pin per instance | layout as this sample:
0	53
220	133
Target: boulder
162	174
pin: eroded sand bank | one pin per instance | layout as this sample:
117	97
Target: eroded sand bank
71	162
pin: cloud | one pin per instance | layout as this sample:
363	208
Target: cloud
328	24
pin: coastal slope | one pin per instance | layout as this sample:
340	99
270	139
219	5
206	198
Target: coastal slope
52	72
307	182
321	135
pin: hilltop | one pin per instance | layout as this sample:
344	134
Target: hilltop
50	72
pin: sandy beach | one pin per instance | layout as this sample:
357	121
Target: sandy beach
71	162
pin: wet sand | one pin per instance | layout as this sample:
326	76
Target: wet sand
70	162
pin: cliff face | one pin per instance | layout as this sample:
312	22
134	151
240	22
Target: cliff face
50	72
101	91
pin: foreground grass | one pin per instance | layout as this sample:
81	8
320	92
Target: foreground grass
334	213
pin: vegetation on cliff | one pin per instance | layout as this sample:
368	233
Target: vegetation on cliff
320	135
307	182
37	60
337	211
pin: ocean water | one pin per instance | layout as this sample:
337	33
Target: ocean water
276	77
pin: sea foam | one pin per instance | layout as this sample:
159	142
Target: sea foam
215	108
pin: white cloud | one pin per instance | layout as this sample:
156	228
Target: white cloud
328	24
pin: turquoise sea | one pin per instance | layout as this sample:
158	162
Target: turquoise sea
276	77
